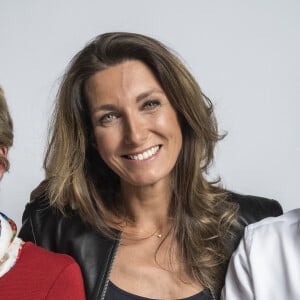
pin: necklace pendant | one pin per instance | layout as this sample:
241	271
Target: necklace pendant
159	235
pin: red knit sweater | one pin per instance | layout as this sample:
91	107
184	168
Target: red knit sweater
40	274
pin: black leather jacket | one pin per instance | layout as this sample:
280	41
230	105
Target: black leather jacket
48	228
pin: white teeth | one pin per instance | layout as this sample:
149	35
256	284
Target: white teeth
145	155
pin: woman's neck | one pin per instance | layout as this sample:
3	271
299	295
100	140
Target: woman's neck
147	206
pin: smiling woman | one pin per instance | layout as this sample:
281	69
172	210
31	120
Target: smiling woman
125	191
127	103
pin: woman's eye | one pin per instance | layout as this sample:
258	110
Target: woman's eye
107	118
151	104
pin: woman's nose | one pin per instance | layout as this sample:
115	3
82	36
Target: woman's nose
135	130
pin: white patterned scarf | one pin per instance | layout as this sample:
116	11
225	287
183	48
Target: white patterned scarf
10	245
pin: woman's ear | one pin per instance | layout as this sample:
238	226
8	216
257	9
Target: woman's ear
3	152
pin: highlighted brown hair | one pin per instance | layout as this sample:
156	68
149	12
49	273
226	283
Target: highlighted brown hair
78	177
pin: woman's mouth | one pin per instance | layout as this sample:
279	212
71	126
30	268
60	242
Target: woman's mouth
143	155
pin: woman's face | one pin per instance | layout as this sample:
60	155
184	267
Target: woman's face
136	129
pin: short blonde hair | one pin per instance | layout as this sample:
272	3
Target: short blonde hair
6	128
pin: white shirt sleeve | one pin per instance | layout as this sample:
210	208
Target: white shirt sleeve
266	264
238	283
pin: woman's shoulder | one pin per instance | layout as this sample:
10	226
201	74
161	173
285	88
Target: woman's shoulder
39	207
40	256
251	209
254	208
48	227
56	230
56	274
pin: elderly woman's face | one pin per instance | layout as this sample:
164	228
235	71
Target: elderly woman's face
136	129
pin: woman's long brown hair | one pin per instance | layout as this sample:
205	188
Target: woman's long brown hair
78	177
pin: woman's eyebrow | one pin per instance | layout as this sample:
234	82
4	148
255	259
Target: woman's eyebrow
140	97
104	107
148	93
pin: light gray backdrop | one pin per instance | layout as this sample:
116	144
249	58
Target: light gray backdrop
245	55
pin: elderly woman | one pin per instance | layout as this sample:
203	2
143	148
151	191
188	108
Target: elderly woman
28	271
125	191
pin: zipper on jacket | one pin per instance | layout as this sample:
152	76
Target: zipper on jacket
116	247
213	294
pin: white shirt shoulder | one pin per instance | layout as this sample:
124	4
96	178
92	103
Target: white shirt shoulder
266	264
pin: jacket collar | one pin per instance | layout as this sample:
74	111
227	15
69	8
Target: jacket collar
10	245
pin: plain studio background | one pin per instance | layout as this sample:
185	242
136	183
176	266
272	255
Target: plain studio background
244	54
